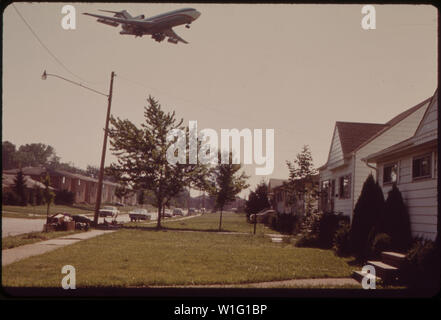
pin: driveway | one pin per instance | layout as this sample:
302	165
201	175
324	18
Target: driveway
15	226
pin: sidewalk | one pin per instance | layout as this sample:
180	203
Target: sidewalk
12	255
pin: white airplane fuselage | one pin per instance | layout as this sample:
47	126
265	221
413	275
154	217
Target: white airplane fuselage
163	21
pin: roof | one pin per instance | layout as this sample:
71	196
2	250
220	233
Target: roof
408	143
38	171
8	182
274	183
353	134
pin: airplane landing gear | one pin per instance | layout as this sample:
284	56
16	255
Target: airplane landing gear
187	26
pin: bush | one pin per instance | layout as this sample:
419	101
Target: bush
284	223
396	220
307	240
342	245
382	242
10	198
64	197
367	214
328	225
422	266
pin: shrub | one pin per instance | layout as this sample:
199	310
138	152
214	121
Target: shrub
9	198
64	197
307	240
422	266
381	242
284	223
396	220
367	213
342	245
328	224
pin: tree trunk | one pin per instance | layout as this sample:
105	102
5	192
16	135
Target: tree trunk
158	226
220	220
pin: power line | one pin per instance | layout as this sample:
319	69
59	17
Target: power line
286	131
45	47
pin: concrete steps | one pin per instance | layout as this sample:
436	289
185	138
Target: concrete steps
388	269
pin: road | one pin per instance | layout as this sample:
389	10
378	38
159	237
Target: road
15	226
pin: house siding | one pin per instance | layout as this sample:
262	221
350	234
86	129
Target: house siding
420	196
340	205
401	131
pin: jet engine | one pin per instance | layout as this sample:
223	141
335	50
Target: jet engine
172	40
158	37
109	23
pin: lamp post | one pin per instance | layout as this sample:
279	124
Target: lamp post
103	154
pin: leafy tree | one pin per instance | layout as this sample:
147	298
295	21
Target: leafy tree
396	222
36	154
92	171
48	194
368	213
20	188
258	199
301	185
8	155
226	183
142	156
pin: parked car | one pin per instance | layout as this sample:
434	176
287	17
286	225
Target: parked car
191	211
139	214
178	212
168	213
261	216
82	222
109	211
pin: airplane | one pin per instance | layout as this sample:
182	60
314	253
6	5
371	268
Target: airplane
159	26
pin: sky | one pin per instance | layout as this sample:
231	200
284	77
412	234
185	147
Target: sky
293	68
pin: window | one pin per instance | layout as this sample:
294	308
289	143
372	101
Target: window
421	167
390	173
64	180
345	187
79	182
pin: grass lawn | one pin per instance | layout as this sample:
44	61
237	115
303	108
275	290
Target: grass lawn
231	222
134	257
28	238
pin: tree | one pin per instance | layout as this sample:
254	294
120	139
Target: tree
396	222
258	199
8	155
48	195
226	183
20	188
301	185
36	154
142	155
368	213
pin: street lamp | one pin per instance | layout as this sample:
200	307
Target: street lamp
103	154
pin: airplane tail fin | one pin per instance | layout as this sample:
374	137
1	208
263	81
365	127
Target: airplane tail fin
119	14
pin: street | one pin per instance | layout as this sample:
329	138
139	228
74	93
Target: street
15	226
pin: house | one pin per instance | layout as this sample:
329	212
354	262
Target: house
279	198
343	175
83	187
412	165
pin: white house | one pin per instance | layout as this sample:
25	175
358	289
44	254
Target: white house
344	173
412	165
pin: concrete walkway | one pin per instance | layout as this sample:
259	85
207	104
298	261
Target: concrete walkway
296	283
15	254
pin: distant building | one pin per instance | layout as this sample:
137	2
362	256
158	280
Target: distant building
279	198
83	187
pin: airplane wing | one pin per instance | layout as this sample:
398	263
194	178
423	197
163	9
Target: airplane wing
171	34
138	23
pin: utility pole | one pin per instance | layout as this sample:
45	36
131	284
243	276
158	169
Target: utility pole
103	154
